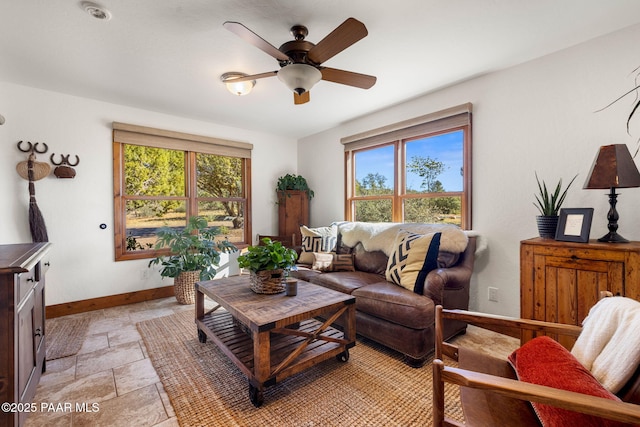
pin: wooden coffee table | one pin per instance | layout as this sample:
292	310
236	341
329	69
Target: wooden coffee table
271	337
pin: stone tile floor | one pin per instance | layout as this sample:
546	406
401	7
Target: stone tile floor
113	381
111	378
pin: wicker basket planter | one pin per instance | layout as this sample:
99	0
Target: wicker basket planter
184	286
267	281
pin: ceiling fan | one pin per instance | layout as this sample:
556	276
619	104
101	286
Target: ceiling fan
300	60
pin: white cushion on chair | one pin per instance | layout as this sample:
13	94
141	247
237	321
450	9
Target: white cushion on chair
609	344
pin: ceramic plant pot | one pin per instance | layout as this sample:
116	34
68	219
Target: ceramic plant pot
547	226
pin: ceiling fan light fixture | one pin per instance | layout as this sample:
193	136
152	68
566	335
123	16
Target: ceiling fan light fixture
237	88
300	78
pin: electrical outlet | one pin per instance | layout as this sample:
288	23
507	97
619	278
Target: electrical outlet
493	294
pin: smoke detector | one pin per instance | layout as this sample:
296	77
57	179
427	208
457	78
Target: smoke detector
96	10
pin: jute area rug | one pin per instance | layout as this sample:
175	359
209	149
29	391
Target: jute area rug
374	388
65	336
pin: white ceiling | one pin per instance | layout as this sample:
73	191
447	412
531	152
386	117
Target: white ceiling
167	55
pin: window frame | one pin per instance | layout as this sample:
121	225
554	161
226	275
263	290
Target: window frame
191	145
399	134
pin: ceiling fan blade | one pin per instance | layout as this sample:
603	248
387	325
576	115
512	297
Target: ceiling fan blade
350	78
301	99
251	37
346	34
252	77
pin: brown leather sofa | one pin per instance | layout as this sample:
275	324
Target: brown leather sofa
392	315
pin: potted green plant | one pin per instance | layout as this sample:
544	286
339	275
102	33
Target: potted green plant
549	205
194	255
293	182
268	264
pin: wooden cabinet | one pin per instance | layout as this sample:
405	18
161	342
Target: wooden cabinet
293	211
22	325
561	281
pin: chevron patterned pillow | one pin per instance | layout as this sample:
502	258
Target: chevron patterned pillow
413	257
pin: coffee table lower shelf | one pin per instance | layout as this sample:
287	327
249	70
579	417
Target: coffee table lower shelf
236	342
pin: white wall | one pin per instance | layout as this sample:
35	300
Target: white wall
83	263
539	116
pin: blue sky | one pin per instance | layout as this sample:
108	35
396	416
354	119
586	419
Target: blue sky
446	148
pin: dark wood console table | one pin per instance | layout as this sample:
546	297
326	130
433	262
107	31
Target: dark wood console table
22	329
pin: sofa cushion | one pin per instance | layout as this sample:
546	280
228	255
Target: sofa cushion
320	239
341	248
343	262
447	259
395	304
345	281
331	261
310	244
304	273
328	235
370	262
322	261
545	362
414	256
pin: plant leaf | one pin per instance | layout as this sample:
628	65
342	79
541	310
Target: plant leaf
635	107
619	98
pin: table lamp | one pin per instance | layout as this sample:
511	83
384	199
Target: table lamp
613	168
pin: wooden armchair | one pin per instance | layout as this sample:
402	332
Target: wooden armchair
288	241
491	394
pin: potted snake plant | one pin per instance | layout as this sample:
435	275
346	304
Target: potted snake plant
549	203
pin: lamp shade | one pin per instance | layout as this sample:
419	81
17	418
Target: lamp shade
239	88
613	168
300	78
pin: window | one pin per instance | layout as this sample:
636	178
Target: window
415	171
161	178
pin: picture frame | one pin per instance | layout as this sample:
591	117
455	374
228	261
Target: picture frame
574	225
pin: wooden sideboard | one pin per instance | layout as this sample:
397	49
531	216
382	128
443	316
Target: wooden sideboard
561	281
22	325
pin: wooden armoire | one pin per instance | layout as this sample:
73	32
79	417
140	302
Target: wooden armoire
293	211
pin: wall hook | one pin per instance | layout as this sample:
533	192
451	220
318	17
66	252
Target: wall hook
64	168
32	148
39	169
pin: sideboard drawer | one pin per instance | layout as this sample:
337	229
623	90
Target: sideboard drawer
27	281
43	267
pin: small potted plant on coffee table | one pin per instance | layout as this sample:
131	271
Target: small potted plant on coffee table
194	255
268	263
